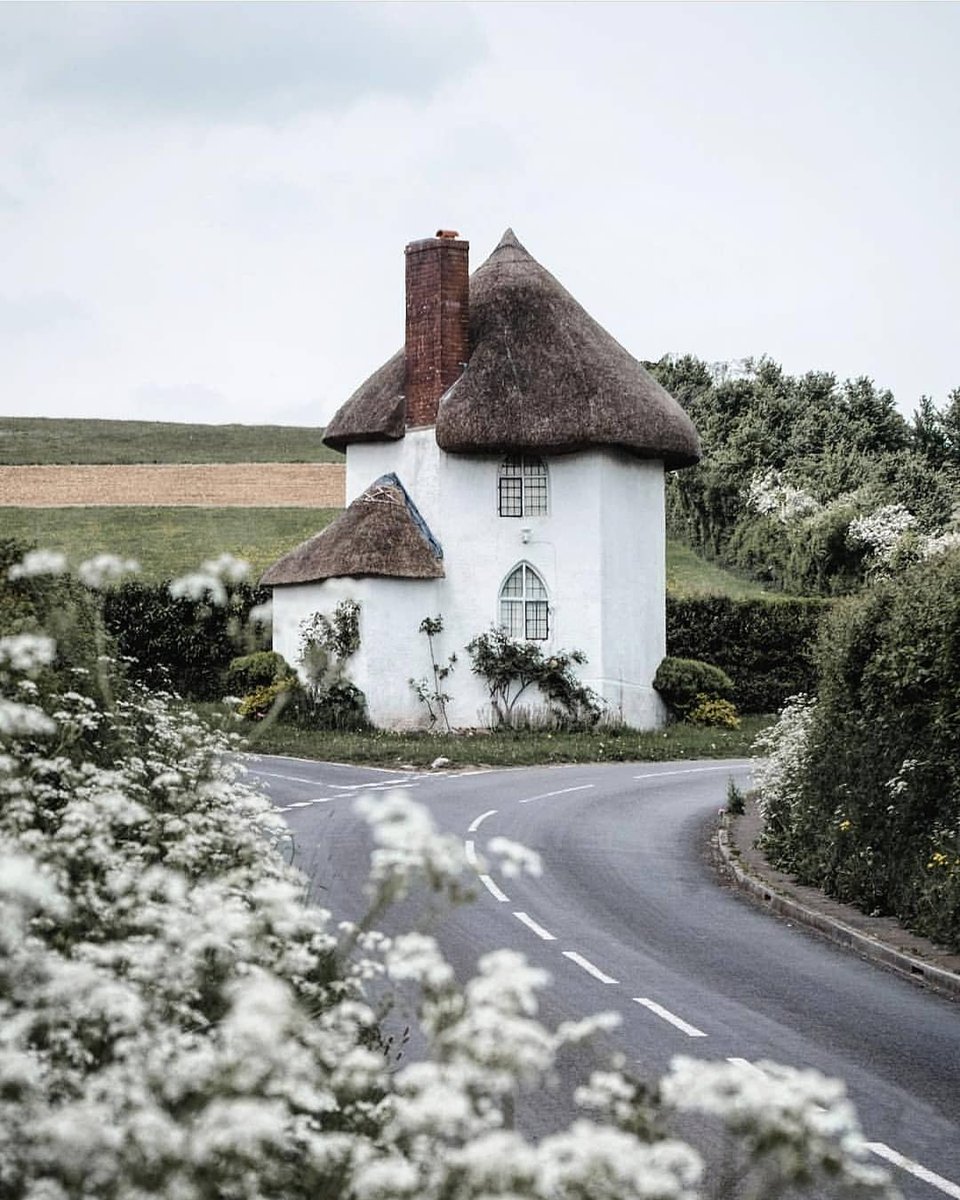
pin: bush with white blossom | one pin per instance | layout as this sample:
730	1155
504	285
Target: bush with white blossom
176	1023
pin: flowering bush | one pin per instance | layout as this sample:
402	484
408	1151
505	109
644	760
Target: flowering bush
176	1024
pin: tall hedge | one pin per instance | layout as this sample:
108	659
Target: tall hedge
765	646
872	813
179	644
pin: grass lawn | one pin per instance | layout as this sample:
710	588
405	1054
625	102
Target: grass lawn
690	575
504	749
54	440
170	541
167	541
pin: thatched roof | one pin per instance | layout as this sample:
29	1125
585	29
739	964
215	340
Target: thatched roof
542	375
380	533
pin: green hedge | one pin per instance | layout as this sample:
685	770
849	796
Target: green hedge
765	646
184	645
871	808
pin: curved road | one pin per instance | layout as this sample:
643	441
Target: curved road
629	915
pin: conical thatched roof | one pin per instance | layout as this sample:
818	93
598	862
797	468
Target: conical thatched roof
380	533
542	375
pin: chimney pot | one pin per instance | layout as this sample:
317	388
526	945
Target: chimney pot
447	233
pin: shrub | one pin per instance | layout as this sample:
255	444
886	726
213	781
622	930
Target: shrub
684	683
765	646
712	710
509	667
269	698
181	643
257	670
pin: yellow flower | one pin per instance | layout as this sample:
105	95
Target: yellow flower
845	825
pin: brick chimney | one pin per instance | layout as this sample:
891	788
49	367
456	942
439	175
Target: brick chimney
437	342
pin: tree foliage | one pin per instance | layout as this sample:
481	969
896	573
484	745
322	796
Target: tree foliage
841	451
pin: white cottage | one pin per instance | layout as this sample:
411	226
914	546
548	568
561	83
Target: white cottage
506	467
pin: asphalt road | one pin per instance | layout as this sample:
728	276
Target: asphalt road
630	915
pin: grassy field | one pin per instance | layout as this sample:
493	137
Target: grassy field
35	440
503	749
167	541
690	575
170	541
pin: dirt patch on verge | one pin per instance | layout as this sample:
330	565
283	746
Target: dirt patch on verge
215	485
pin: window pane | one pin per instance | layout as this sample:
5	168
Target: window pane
533	466
511	617
535	495
511	496
535	588
514	584
536	619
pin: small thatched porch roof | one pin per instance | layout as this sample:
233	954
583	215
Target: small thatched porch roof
542	375
380	533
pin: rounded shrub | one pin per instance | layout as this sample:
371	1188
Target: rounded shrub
684	683
711	710
251	671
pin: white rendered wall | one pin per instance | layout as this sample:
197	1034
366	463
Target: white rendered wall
599	550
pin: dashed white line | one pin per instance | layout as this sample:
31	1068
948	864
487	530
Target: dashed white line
471	852
537	929
475	825
914	1168
666	1015
494	890
562	792
588	966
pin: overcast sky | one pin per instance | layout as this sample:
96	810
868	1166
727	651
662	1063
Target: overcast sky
203	207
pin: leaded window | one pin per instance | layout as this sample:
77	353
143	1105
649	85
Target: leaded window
524	608
522	487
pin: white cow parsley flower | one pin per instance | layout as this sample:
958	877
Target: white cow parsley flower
105	569
38	562
27	652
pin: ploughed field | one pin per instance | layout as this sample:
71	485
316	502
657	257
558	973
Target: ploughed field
244	485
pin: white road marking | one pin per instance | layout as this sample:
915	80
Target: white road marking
881	1150
256	758
375	787
471	852
666	1015
588	966
291	778
475	825
907	1164
537	929
734	766
494	890
563	792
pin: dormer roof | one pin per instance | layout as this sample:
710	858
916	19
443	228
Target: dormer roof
380	533
541	375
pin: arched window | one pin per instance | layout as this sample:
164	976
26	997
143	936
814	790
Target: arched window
524	612
522	487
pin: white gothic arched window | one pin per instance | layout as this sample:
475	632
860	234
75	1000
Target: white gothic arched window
524	610
522	487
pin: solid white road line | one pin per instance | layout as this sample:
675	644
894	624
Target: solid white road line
666	1015
537	929
728	767
471	852
494	890
914	1168
563	792
475	825
588	966
305	803
280	775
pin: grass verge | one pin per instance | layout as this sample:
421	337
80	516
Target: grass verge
400	750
